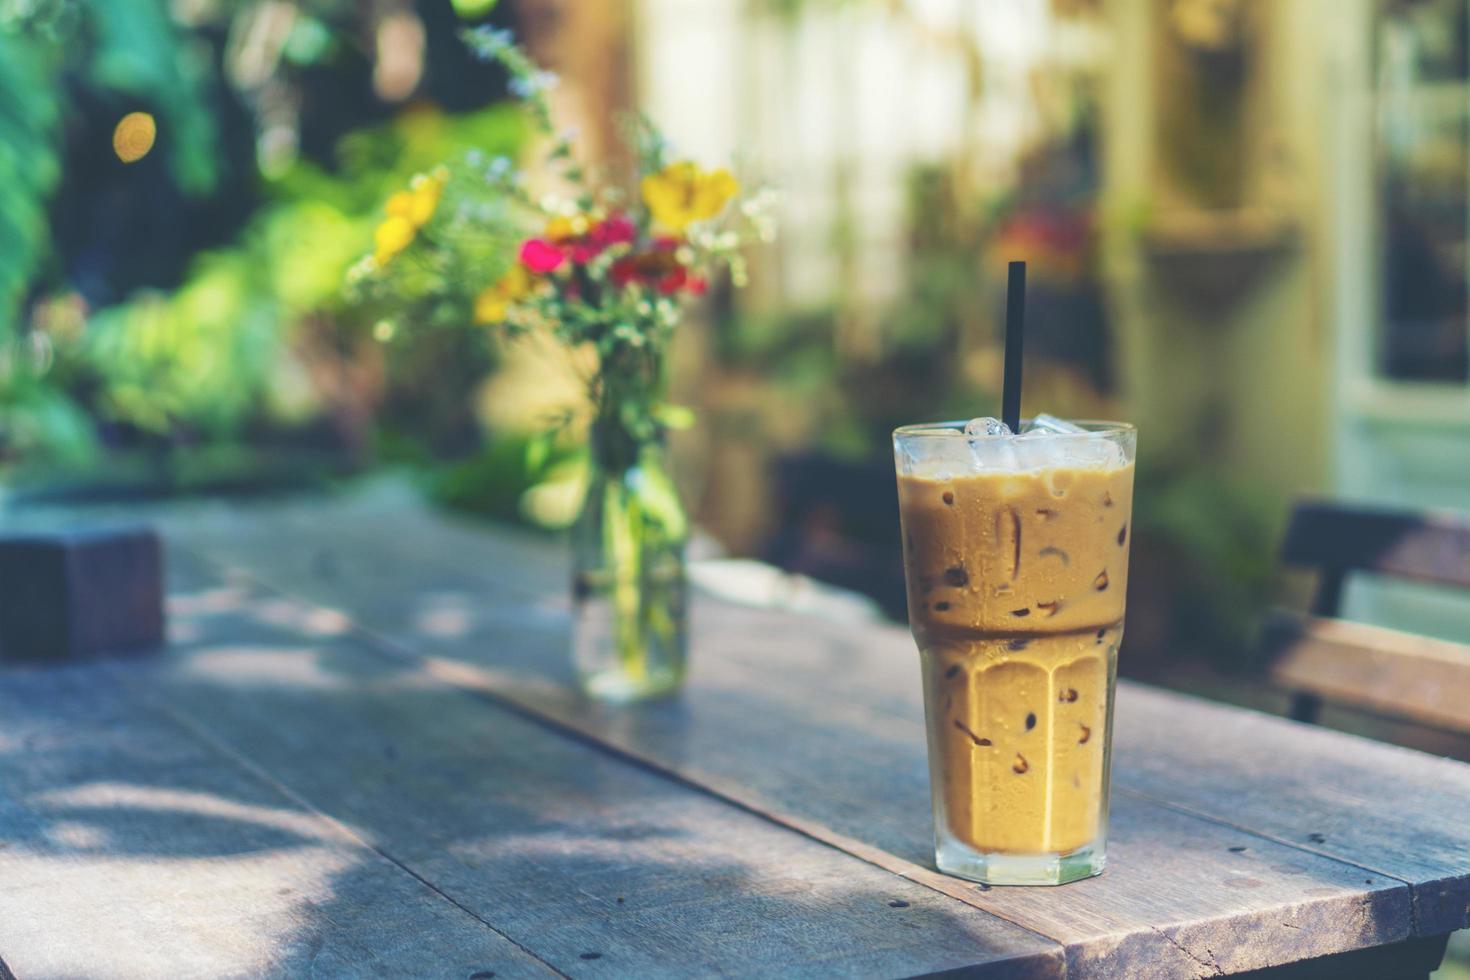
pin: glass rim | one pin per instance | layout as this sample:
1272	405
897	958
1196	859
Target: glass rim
1096	428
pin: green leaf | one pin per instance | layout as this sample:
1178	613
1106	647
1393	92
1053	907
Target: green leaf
309	42
538	448
470	9
659	499
30	112
676	417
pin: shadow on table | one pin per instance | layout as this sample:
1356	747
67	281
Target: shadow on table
168	803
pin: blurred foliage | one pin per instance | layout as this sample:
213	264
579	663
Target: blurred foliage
202	355
30	112
1214	533
191	297
137	52
56	53
911	362
39	419
517	477
237	341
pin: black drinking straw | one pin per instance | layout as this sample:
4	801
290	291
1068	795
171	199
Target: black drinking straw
1010	398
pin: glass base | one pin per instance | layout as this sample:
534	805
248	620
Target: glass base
620	687
956	859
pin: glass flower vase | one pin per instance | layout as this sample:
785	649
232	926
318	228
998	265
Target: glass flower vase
629	634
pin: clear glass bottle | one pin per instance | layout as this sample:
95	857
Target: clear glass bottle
629	591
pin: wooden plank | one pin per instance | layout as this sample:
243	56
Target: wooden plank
1178	901
848	766
130	848
569	850
1389	809
1401	675
1427	547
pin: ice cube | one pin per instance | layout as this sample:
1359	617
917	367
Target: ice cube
1044	423
1034	451
986	450
1037	448
986	426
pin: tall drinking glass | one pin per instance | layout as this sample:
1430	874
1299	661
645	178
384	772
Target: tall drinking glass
1016	556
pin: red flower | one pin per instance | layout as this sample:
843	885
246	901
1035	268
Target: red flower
658	266
541	257
583	251
624	271
673	280
616	229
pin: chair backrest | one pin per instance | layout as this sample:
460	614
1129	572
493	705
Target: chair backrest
1386	672
1336	539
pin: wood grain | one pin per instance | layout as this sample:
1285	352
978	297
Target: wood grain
1395	811
1400	675
130	848
819	724
570	851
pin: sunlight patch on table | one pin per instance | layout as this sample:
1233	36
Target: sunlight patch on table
76	836
105	796
311	620
265	666
153	917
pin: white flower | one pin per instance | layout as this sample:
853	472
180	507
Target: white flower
527	86
488	42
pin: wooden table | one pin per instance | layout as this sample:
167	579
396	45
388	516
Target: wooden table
361	755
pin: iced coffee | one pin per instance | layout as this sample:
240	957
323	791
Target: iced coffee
1016	555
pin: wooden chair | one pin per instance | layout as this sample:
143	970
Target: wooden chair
1320	658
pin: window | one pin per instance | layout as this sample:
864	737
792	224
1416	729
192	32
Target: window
1422	102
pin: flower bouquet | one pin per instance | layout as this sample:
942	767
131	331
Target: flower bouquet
608	271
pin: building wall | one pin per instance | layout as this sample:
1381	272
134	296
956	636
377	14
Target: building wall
1223	313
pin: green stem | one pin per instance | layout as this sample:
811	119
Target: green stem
622	528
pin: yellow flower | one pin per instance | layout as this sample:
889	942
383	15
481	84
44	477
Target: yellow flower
562	227
408	211
494	302
490	306
400	205
392	237
681	194
423	195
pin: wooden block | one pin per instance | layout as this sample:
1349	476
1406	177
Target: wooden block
75	593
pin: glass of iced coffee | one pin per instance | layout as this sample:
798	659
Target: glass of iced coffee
1016	555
